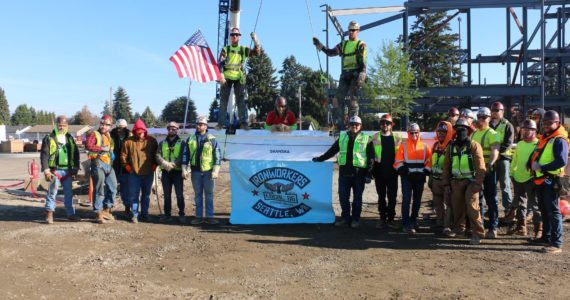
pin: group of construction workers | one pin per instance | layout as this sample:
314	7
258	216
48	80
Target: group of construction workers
126	160
474	154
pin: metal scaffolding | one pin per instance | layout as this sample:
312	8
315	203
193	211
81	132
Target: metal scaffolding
528	71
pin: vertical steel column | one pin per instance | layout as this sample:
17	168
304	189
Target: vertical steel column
327	37
524	77
559	26
542	41
508	46
469	81
406	119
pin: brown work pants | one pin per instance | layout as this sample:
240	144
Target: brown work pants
441	203
463	198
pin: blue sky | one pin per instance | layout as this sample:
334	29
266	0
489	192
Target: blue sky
60	55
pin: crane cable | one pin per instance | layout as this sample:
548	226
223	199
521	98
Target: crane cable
323	79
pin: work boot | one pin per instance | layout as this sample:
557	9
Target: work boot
49	217
491	234
74	218
100	218
244	126
341	223
521	228
381	224
537	232
165	219
128	212
509	217
107	215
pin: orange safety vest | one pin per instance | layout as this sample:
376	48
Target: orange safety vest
415	156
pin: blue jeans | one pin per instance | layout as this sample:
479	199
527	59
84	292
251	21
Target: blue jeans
140	186
169	179
203	185
67	192
104	185
345	183
548	200
415	189
490	195
502	167
124	189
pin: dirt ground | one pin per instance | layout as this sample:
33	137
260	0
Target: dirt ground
151	260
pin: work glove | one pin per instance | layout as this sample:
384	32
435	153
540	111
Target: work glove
361	79
536	166
317	43
48	175
165	165
105	149
222	79
172	165
185	171
403	171
316	159
128	168
254	38
215	172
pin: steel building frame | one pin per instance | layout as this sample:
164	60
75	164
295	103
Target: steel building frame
518	88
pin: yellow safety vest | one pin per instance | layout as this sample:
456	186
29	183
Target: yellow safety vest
480	136
437	158
207	157
547	157
171	154
235	58
58	156
99	138
352	56
501	131
377	143
462	162
359	158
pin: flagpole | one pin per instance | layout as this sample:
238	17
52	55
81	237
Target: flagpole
186	110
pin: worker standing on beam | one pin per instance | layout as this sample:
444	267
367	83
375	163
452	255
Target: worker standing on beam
353	53
506	133
232	60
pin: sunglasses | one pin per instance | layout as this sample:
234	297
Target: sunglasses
414	132
496	110
235	34
384	123
282	106
353	30
482	117
172	128
355	124
454	115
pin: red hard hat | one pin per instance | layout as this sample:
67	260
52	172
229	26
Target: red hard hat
497	105
387	117
106	119
453	111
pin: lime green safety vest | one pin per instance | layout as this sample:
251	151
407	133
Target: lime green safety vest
58	156
377	143
358	152
519	169
547	157
352	56
501	131
235	58
437	162
171	154
482	137
207	158
462	162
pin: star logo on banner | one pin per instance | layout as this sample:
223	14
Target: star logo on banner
305	196
255	192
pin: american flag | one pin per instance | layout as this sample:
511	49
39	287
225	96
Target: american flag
195	60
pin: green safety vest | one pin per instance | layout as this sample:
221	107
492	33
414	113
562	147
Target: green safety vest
501	131
352	56
377	143
462	162
359	150
437	158
171	154
481	138
547	157
235	58
523	152
207	158
58	155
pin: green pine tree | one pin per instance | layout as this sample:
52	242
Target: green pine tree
122	106
389	83
22	115
4	109
149	118
261	84
213	107
174	111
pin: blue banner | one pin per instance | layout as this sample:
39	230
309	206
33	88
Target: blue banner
278	192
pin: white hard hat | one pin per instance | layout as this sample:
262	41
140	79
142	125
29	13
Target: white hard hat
122	123
484	111
414	127
354	25
355	119
201	120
